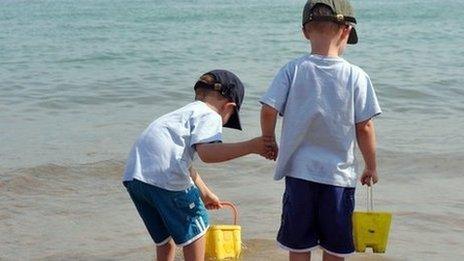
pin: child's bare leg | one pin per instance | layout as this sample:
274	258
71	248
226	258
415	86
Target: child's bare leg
195	251
166	252
294	256
328	257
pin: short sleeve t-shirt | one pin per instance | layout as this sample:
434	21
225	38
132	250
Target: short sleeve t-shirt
321	99
163	153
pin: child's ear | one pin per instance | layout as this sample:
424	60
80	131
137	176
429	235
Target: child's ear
346	31
230	106
305	32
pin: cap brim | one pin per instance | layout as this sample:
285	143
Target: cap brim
353	38
234	121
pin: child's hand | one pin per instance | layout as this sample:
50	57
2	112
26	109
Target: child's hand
369	177
265	146
258	147
211	201
272	150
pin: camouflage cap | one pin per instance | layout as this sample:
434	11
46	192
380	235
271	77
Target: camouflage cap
343	13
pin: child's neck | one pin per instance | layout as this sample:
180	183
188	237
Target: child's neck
216	106
325	49
212	103
212	106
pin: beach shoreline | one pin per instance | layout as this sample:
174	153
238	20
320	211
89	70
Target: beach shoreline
54	212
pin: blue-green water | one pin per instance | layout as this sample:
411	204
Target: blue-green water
76	76
80	79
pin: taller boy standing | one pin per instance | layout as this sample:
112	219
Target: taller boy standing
327	105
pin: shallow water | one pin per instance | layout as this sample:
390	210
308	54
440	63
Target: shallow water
82	212
79	80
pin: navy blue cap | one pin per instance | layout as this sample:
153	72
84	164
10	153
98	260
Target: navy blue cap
230	86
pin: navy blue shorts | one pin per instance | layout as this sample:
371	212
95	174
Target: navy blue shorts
179	215
315	214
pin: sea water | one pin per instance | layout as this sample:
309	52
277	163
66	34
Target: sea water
79	80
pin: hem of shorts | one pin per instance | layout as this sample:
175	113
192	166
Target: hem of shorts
164	242
188	242
309	249
337	254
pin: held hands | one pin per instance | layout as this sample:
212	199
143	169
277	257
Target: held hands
265	146
272	150
369	177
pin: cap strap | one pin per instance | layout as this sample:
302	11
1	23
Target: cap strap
339	18
224	90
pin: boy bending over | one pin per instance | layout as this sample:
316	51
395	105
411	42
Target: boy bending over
168	193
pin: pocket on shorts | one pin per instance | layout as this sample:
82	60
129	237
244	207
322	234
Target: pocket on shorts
284	214
349	199
189	201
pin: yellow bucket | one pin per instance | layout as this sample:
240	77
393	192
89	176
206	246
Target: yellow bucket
224	241
370	229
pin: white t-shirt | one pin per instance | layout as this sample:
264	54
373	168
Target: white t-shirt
163	153
321	99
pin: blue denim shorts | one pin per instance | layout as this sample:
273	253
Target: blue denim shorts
180	215
316	215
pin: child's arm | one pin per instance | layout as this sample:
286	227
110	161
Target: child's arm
268	124
210	200
268	120
365	134
219	152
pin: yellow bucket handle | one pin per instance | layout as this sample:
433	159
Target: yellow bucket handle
234	209
369	199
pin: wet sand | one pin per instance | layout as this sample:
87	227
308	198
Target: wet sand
254	249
